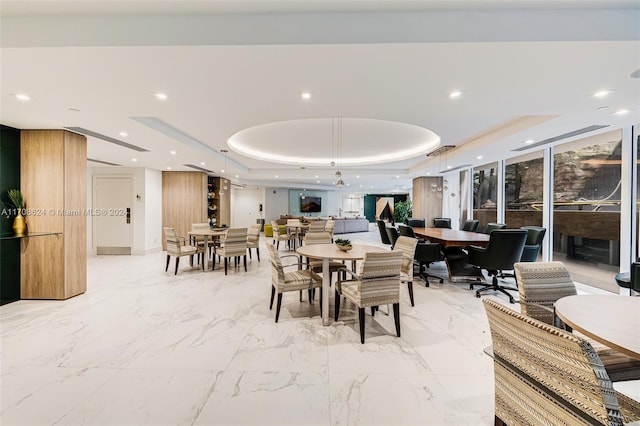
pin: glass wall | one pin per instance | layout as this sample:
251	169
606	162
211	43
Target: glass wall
523	190
586	214
638	193
485	187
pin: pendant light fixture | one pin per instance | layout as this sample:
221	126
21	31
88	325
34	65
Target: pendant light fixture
224	186
339	181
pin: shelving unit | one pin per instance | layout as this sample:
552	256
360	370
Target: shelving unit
218	201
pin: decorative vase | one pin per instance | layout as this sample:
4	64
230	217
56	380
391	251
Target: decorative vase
19	225
344	248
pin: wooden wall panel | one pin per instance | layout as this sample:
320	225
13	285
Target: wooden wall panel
426	203
184	201
75	224
53	182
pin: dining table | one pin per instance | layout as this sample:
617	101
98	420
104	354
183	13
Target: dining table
612	320
297	230
328	252
206	233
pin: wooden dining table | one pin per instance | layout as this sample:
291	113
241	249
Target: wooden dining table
328	252
452	237
609	319
206	233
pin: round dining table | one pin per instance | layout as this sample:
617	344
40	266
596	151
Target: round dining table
328	252
206	233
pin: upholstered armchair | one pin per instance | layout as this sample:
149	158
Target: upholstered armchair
540	285
177	247
280	236
407	246
544	375
253	239
317	226
504	249
234	245
377	284
296	280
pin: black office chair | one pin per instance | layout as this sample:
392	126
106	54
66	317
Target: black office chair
535	235
426	254
418	223
635	276
382	227
442	222
471	225
492	226
393	235
504	249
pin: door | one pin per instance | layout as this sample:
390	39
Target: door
112	227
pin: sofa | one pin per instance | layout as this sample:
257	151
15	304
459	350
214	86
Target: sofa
346	225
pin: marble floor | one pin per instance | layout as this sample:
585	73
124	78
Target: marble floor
145	347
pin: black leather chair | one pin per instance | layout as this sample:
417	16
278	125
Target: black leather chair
418	223
471	225
382	227
408	231
442	222
635	276
426	254
393	234
504	249
492	226
535	235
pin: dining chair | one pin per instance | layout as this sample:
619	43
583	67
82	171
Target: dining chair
540	285
415	222
234	245
297	280
294	228
317	226
329	227
279	236
442	222
544	375
177	247
407	246
378	283
198	240
393	234
504	249
471	225
253	239
535	235
492	226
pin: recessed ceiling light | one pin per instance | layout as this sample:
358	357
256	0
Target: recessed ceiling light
172	152
317	181
222	171
357	176
276	176
455	94
23	97
124	134
479	157
428	173
134	160
360	186
621	112
528	141
168	167
161	96
448	167
305	95
397	176
601	93
74	109
202	163
237	176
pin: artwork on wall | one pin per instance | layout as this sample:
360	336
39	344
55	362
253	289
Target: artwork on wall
384	208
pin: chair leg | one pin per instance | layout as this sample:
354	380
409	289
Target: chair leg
300	295
226	265
410	286
310	291
249	253
373	311
278	306
167	267
278	245
258	253
273	293
245	263
320	302
396	317
336	307
361	321
498	422
177	261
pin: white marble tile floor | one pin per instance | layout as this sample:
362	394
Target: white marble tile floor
145	347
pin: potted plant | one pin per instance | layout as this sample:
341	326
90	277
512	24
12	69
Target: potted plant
19	225
343	244
401	211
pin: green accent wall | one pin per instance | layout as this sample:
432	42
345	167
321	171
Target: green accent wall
370	203
9	249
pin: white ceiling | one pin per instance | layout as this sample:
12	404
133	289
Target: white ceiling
527	70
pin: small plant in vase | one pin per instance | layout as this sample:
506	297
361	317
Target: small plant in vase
343	244
19	225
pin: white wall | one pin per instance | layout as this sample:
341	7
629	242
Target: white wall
152	199
245	205
335	203
276	202
451	204
146	213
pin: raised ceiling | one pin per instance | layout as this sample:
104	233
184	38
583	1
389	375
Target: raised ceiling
231	68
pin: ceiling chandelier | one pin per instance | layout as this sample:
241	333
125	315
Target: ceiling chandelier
338	174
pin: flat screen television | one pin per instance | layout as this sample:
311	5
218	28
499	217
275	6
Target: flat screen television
310	204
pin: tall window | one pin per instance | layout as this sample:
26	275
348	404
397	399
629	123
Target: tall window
586	214
485	189
523	190
464	195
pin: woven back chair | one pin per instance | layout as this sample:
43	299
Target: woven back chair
280	236
407	246
296	280
253	239
177	247
329	227
544	375
317	226
377	284
234	245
